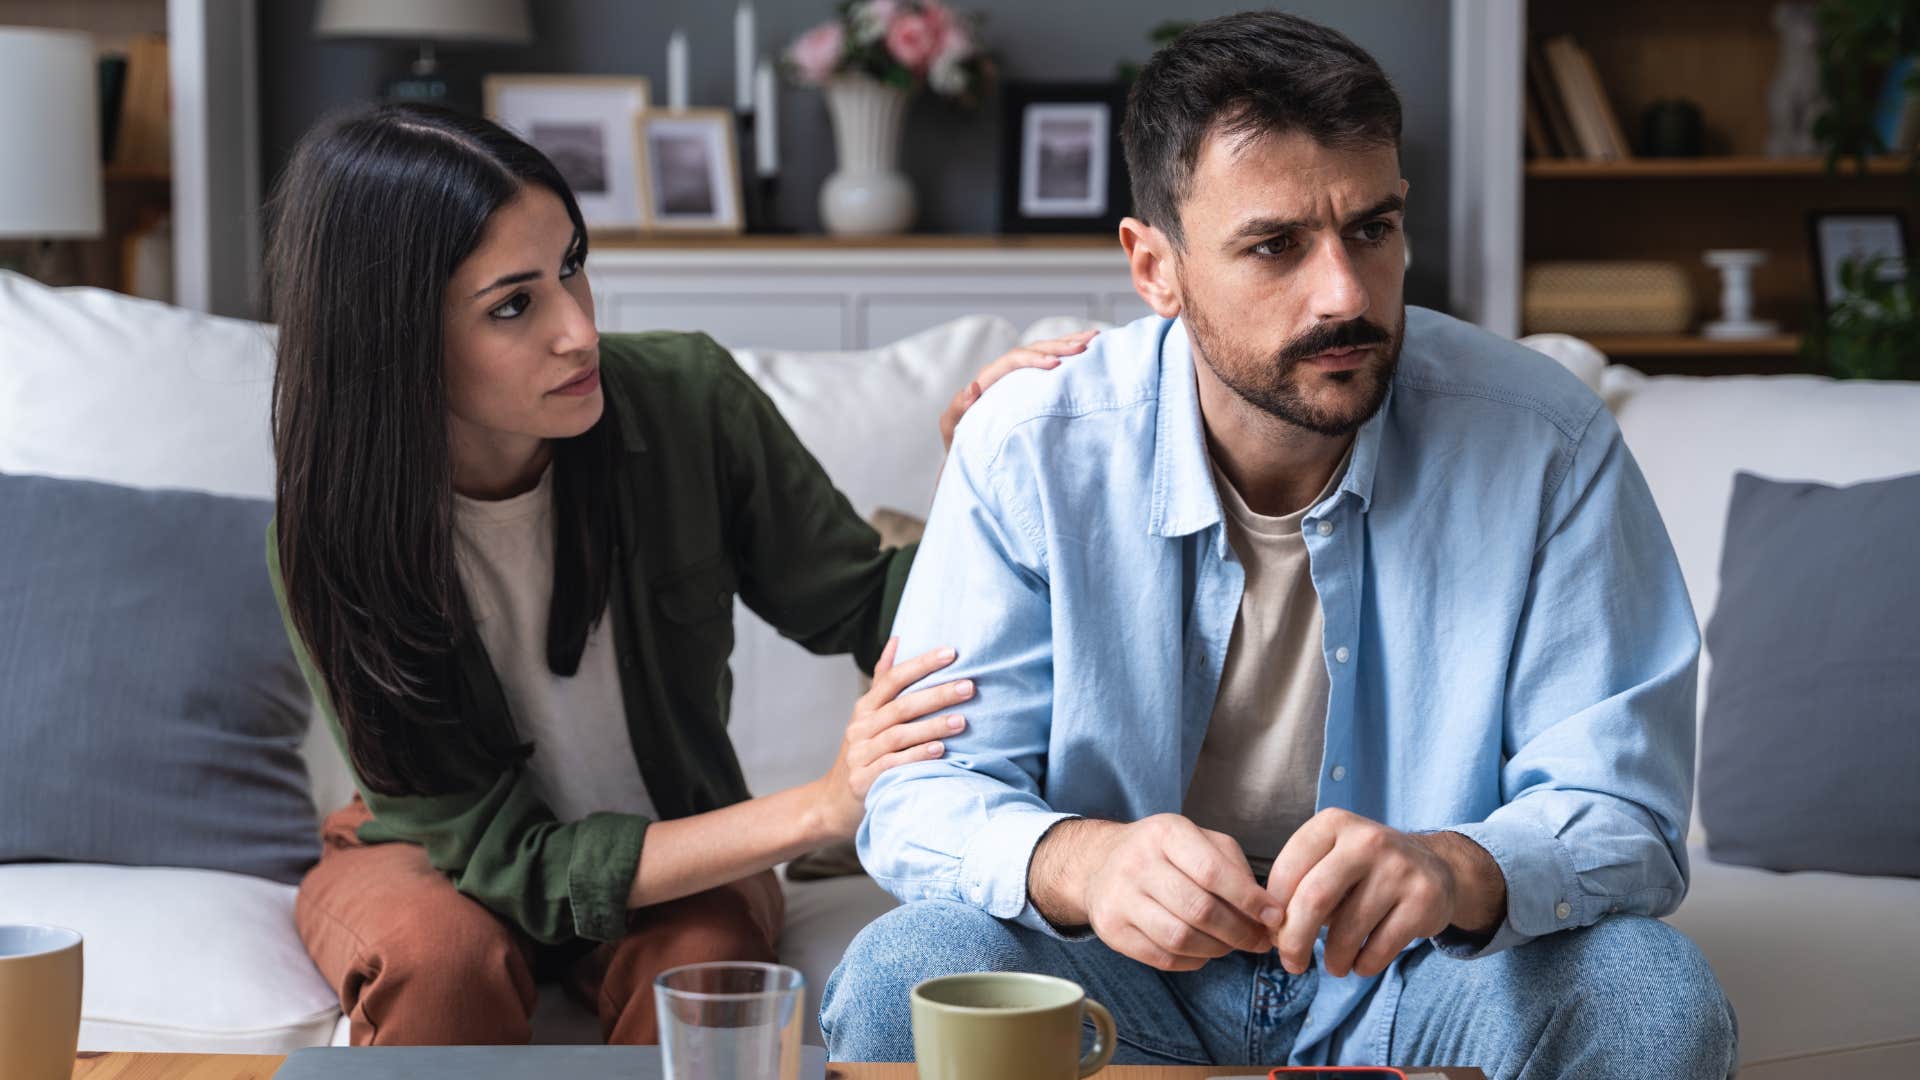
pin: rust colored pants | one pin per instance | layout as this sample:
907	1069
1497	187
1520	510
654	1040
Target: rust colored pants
417	963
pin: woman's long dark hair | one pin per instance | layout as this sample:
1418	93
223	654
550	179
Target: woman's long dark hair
373	214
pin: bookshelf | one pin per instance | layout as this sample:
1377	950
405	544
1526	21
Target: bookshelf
1721	55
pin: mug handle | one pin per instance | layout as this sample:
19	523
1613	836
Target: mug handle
1103	1037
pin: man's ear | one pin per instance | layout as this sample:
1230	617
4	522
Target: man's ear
1150	258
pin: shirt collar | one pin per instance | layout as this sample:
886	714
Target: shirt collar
1185	500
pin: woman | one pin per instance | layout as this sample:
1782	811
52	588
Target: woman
507	550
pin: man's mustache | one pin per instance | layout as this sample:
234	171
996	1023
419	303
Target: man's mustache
1347	335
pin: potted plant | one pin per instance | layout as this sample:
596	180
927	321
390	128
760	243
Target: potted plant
1859	42
870	60
1873	329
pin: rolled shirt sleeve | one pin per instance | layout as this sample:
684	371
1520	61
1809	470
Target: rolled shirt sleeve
1599	728
964	827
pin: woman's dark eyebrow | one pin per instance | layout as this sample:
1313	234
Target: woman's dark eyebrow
510	279
579	242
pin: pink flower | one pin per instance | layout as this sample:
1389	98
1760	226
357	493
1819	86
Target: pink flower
817	52
956	45
913	39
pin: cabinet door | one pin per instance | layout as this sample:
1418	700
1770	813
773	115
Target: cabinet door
882	319
740	320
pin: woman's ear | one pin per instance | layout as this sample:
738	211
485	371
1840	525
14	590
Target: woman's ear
1150	257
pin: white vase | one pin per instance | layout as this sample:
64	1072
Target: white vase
866	194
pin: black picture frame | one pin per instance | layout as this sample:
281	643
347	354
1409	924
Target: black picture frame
1088	196
1825	258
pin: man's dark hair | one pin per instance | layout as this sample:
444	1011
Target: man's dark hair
1255	73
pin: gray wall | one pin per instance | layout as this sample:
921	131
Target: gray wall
951	156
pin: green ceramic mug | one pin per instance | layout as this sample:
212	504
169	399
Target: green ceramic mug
1006	1026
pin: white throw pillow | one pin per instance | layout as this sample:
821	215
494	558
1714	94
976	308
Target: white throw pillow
180	960
871	417
95	385
1572	353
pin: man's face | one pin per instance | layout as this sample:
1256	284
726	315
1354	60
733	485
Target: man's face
1292	274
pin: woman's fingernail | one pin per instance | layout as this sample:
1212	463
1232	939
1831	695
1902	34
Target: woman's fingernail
963	689
947	654
1272	916
955	723
933	749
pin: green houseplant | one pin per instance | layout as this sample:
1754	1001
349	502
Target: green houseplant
1873	329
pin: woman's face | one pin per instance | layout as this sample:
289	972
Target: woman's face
522	355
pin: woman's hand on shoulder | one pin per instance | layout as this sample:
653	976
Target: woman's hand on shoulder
891	728
1040	354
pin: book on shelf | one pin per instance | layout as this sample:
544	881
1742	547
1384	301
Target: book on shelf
145	139
1545	99
1897	117
113	82
1597	131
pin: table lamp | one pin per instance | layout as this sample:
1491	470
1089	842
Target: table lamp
49	141
426	23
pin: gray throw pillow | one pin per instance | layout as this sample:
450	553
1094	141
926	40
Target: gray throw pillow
152	713
1810	745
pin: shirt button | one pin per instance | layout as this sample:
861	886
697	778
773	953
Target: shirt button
1565	909
1339	772
1325	528
1341	654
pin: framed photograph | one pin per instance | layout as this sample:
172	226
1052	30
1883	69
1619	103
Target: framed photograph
585	123
689	171
1061	169
1840	235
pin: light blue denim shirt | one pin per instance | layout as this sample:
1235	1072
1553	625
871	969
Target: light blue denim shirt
1508	641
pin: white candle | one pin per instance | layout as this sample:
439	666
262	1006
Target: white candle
766	122
677	70
743	51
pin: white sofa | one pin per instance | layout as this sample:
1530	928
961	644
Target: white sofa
1823	969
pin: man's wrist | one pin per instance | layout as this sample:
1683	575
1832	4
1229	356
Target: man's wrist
1062	861
1479	888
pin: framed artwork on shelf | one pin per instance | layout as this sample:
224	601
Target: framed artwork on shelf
1061	169
586	125
1839	236
689	172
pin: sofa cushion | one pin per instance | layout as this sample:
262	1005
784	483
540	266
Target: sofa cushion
1816	681
1691	434
153	713
872	419
180	960
101	386
822	919
1815	964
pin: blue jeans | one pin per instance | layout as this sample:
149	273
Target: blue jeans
1628	996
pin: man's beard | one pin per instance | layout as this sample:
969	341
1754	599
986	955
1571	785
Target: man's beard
1273	384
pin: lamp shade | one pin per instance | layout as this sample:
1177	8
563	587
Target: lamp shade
49	135
491	21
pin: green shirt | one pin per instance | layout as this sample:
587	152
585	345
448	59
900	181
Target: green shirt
715	496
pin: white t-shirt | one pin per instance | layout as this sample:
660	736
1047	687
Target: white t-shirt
583	753
1258	775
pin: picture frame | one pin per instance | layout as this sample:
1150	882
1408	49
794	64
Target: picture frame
1834	236
585	125
689	172
1061	166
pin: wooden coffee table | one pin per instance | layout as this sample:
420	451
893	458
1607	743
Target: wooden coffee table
263	1066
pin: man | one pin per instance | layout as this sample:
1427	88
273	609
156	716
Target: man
1335	674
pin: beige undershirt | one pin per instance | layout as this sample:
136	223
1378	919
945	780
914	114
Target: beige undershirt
583	753
1258	775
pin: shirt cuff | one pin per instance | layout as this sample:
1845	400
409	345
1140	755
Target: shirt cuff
1543	892
600	871
993	871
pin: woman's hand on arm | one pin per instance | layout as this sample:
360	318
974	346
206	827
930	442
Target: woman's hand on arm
1040	354
693	854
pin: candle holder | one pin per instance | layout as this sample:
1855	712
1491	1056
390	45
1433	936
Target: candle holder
1736	322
